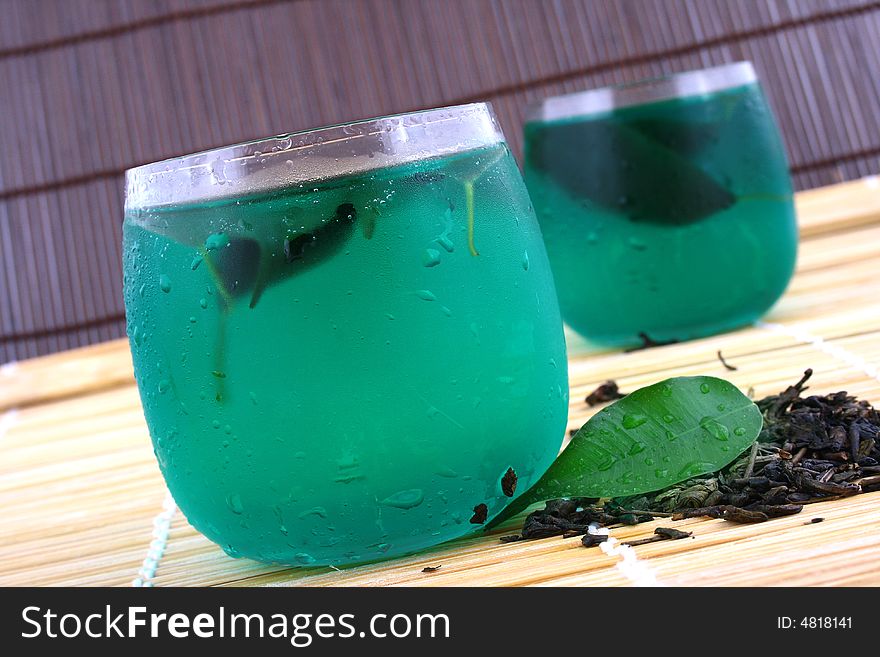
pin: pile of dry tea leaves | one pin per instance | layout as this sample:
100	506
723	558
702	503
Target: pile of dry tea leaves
810	449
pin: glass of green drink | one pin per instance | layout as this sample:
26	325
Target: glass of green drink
666	206
345	339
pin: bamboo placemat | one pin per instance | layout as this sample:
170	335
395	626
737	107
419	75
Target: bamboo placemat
85	504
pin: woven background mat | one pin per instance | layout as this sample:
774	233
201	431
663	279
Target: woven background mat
84	502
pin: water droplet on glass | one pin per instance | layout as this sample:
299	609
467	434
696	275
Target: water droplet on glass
425	295
216	241
203	302
319	511
233	500
164	385
431	258
164	283
196	262
218	171
637	244
405	499
231	551
525	260
446	243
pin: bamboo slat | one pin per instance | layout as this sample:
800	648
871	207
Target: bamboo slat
83	496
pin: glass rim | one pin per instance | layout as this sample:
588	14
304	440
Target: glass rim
317	154
676	85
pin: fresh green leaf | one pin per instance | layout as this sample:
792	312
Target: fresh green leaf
652	438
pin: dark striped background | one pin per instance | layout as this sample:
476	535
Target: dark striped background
89	88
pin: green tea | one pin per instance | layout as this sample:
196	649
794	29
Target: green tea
341	371
672	219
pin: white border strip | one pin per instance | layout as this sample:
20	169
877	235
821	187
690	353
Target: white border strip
161	527
833	350
636	571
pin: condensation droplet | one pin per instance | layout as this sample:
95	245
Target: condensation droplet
216	241
446	243
431	258
633	420
405	499
234	502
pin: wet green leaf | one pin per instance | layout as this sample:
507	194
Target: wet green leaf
652	438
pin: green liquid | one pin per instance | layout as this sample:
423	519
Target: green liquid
336	378
673	218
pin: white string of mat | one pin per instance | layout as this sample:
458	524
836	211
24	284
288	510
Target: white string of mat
630	566
161	527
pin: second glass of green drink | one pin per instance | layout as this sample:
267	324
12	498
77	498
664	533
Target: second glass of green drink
347	340
666	205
